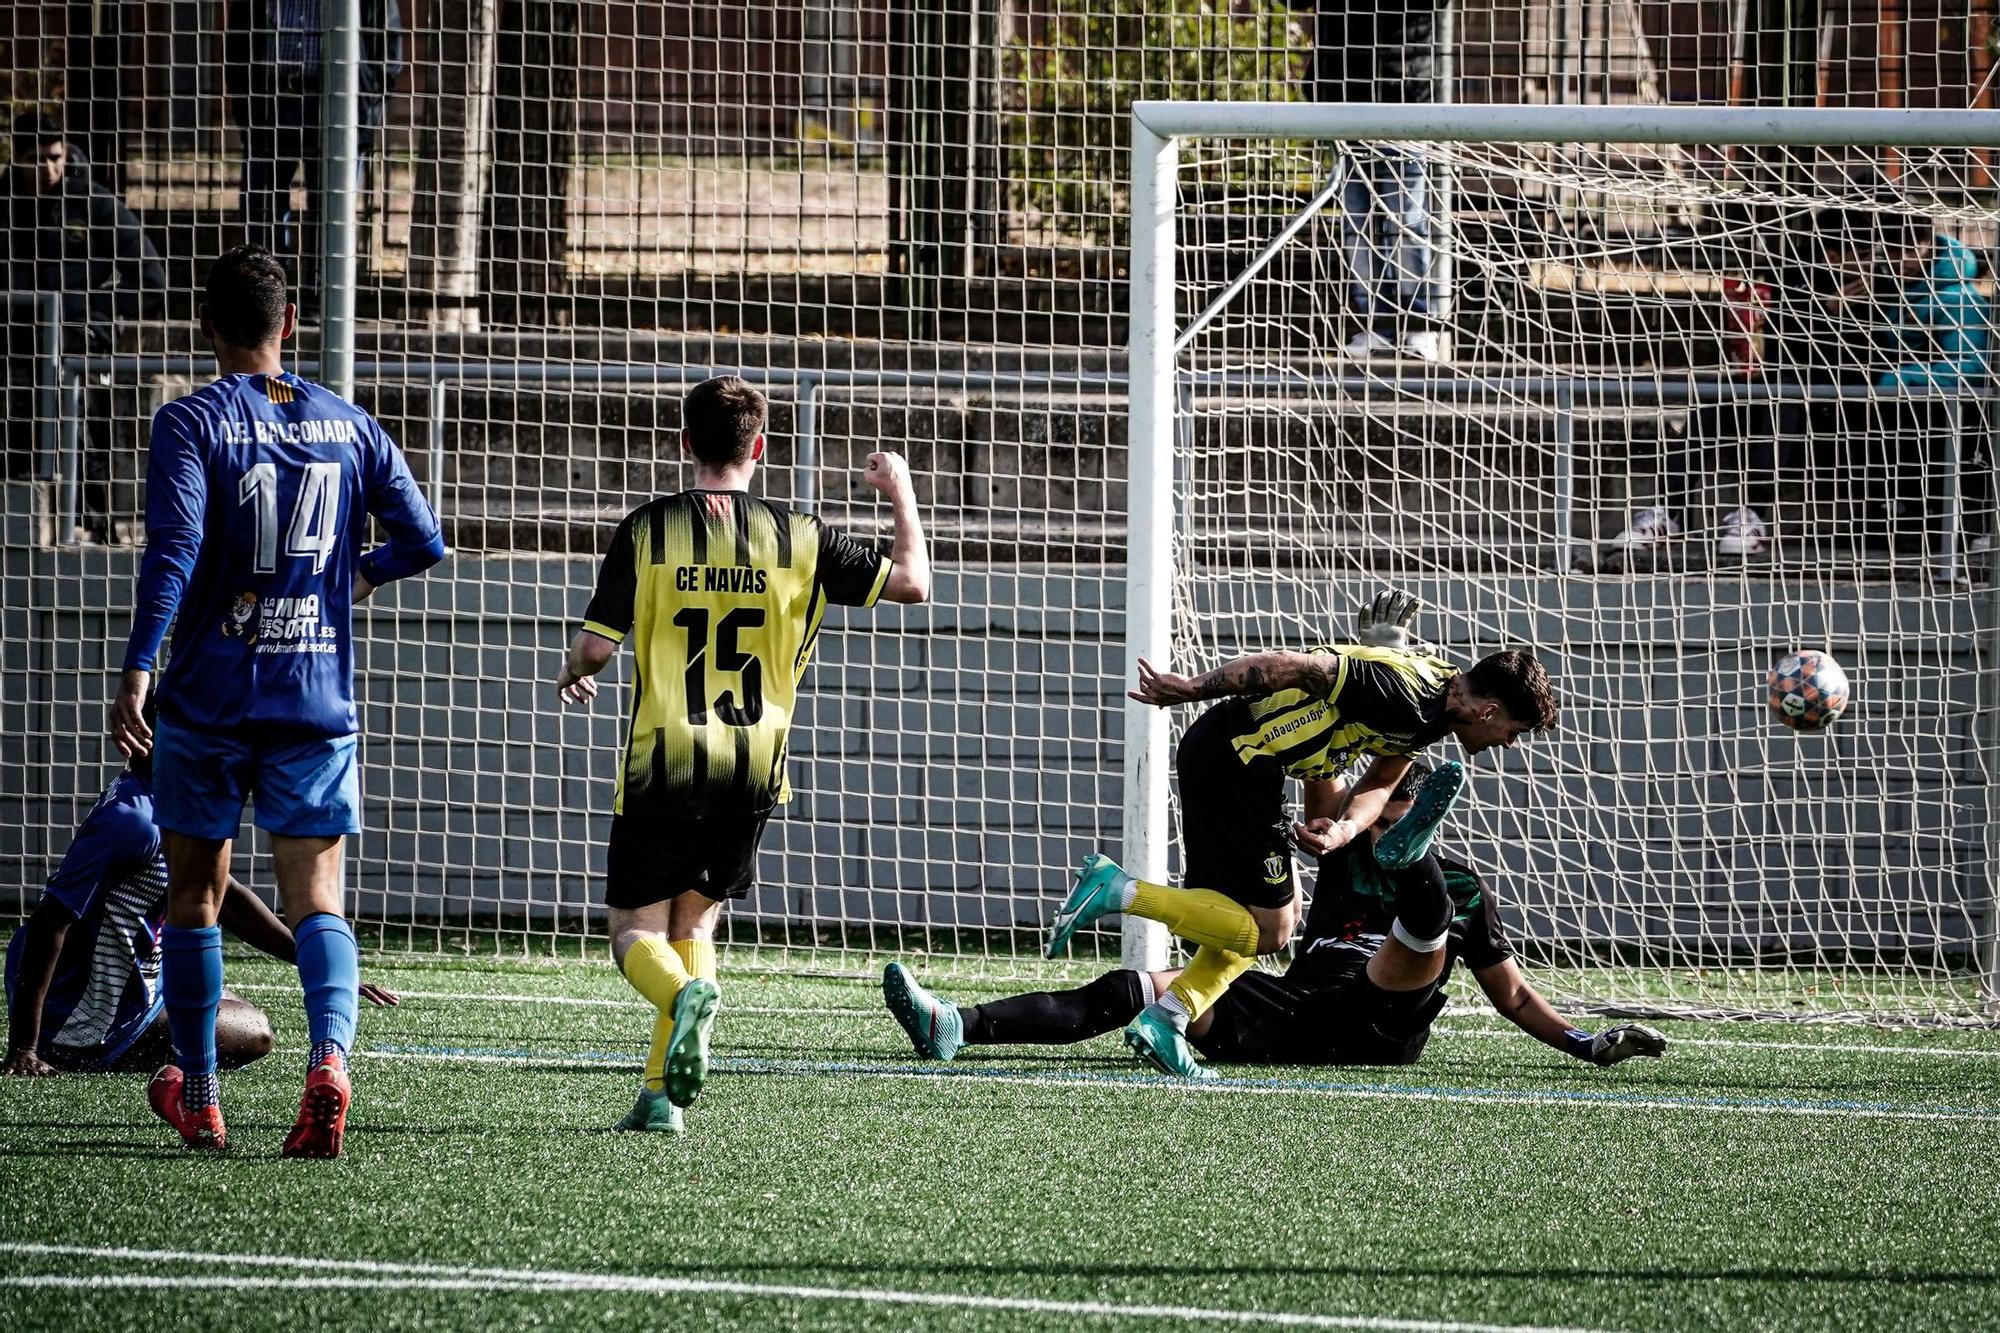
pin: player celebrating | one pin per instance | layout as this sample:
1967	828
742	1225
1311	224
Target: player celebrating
1327	1008
721	594
258	493
1307	715
83	969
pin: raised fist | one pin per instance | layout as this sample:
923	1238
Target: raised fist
887	473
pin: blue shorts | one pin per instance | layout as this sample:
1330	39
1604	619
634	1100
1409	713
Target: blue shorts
303	788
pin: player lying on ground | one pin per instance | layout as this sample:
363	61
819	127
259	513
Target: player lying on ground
1343	1001
83	993
1309	716
721	595
259	489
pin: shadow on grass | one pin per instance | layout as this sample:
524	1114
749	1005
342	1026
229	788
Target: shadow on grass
71	1149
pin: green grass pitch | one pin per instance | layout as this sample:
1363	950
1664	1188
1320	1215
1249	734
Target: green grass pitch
1792	1177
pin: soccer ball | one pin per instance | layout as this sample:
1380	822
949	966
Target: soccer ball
1808	690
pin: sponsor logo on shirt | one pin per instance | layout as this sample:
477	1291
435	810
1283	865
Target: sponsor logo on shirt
1286	728
293	625
239	623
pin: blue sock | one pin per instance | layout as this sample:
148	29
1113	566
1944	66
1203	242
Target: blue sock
191	982
330	974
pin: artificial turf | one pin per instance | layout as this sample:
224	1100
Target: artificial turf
1795	1177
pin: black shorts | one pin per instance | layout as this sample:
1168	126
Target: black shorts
1337	1017
650	860
1235	827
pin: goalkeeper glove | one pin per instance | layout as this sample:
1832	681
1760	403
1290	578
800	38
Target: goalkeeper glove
1385	622
1607	1048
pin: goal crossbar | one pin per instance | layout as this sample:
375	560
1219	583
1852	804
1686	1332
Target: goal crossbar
1398	121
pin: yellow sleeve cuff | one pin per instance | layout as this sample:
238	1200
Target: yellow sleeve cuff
604	631
881	582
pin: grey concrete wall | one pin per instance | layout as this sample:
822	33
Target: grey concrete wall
954	761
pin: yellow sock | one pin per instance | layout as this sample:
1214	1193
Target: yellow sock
1206	976
698	957
655	971
1201	915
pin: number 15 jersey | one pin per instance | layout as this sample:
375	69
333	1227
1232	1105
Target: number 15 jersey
722	595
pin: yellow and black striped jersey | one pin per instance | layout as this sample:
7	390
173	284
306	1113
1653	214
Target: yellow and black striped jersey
1383	701
722	595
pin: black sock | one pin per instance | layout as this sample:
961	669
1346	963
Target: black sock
1423	903
1056	1018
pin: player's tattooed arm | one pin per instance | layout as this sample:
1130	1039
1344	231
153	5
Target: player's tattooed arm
1259	673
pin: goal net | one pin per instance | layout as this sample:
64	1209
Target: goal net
1661	395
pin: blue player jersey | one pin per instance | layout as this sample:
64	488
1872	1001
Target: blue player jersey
258	492
106	989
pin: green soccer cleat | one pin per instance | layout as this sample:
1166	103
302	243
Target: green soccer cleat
687	1051
1406	843
1155	1039
1096	895
652	1114
934	1025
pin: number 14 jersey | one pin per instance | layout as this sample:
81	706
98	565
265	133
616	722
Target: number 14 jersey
722	595
258	493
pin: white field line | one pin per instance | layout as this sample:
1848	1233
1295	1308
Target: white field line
1727	1043
1137	1083
1450	1024
310	1272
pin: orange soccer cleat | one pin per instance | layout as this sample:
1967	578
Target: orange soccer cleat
322	1122
203	1129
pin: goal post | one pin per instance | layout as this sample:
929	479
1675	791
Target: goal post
1149	524
1673	849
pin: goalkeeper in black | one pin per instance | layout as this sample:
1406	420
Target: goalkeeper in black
1325	1009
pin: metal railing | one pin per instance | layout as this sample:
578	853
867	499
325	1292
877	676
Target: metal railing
1566	396
49	381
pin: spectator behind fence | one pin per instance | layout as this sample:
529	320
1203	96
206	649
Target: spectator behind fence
1934	333
1382	51
67	234
272	68
1853	297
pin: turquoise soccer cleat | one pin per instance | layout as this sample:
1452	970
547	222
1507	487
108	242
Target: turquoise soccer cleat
1406	843
1095	895
687	1051
1155	1039
652	1114
934	1026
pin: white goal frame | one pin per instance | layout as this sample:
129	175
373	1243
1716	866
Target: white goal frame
1156	336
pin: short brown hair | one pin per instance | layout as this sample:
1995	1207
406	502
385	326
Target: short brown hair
1518	683
245	298
723	418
